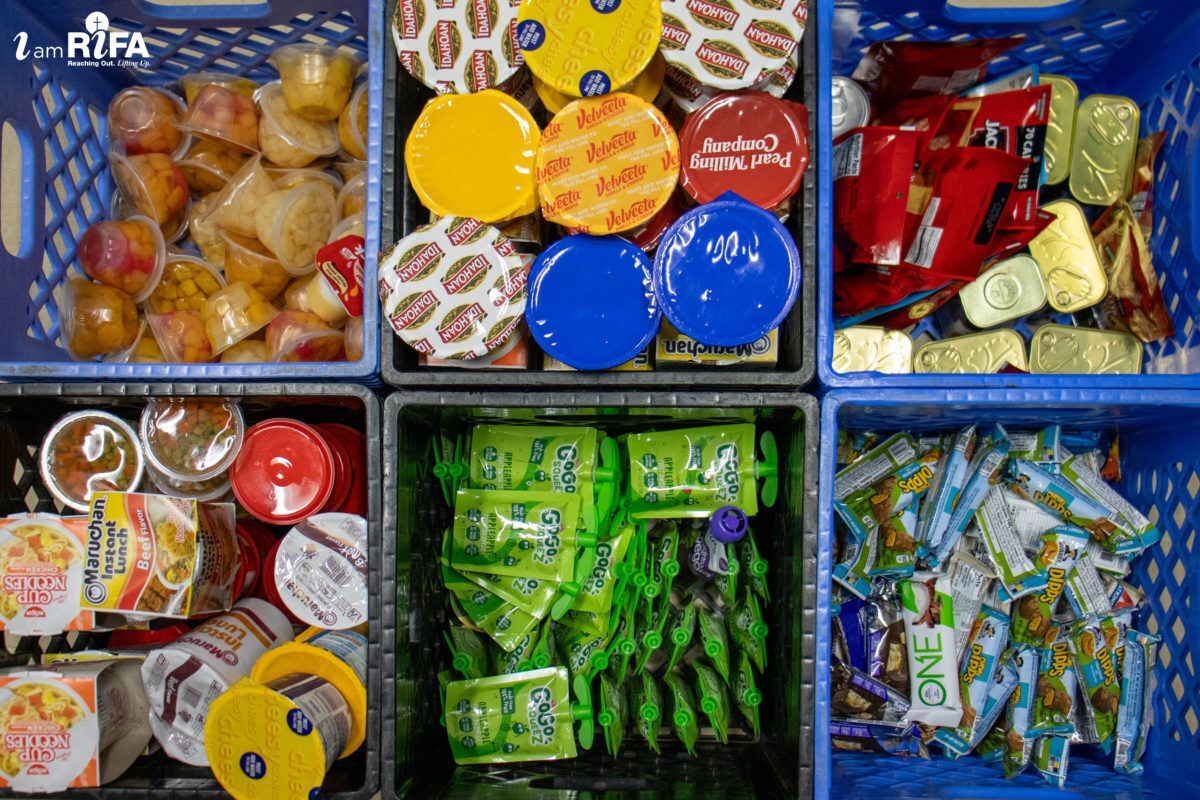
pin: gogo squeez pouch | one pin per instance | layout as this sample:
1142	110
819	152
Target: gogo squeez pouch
694	471
526	534
526	716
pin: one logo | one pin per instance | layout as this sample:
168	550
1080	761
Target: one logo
98	45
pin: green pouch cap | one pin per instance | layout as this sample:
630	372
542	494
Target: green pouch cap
448	465
527	534
749	630
600	584
445	678
746	693
649	637
645	700
664	564
543	653
576	648
714	637
755	566
519	659
680	629
727	585
714	700
535	458
467	651
683	711
614	712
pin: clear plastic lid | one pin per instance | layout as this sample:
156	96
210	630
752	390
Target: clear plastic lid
316	78
295	223
88	452
96	319
146	120
126	254
288	139
192	438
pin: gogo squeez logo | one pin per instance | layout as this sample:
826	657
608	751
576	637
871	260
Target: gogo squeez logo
97	46
540	714
728	481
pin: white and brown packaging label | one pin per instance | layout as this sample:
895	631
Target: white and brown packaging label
458	46
321	571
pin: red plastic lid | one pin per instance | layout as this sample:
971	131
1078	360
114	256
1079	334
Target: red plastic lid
270	592
132	637
249	565
746	142
354	445
648	236
284	472
342	466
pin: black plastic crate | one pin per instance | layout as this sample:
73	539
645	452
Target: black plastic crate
402	212
416	757
27	411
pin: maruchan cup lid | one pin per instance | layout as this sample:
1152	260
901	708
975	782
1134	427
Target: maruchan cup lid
591	305
750	143
284	472
453	289
457	46
726	272
588	48
729	44
471	155
320	571
607	164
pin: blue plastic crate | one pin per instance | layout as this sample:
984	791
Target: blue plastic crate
1146	49
1160	457
58	113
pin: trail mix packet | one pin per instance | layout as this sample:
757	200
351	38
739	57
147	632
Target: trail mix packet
1097	677
1055	691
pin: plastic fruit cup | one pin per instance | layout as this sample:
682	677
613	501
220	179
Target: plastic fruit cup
208	166
290	178
153	184
191	438
126	254
186	283
353	197
221	115
235	313
247	351
354	339
96	319
288	139
350	169
205	491
349	448
284	473
181	336
356	225
295	223
303	336
146	120
314	294
248	261
193	83
206	234
87	452
235	205
352	124
316	79
138	352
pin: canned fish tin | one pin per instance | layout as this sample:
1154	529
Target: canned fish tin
1104	149
588	48
729	44
750	143
1066	254
976	354
849	105
1008	290
457	46
865	348
607	164
453	289
453	176
1060	131
1059	349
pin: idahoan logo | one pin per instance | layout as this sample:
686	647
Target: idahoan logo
99	45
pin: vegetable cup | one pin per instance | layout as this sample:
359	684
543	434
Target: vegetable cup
203	491
206	234
208	166
354	339
235	313
288	139
316	79
303	336
248	261
191	438
356	225
236	204
193	83
146	120
295	223
291	178
224	116
247	351
88	452
153	184
126	254
352	124
96	319
173	308
353	197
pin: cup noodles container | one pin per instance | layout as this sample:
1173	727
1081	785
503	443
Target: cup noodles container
338	657
41	574
349	448
285	472
156	556
77	725
457	46
183	678
320	571
750	143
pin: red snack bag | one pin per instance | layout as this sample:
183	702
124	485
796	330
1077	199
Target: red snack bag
894	70
960	229
912	314
1134	301
1141	191
863	287
872	170
921	114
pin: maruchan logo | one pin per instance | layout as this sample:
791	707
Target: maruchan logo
98	45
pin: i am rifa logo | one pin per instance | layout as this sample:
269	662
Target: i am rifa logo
98	45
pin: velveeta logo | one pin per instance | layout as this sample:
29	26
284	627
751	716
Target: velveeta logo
976	663
419	262
619	220
1051	500
617	143
553	168
455	327
561	202
916	483
595	114
627	177
463	230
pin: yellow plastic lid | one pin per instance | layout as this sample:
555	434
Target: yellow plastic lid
471	155
338	657
607	164
646	85
588	48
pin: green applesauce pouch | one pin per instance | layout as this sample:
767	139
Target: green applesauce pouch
746	694
714	699
694	471
526	534
468	652
753	564
576	648
714	637
645	700
664	563
544	653
1097	677
596	595
749	630
651	623
478	608
519	659
525	716
683	710
613	714
681	627
727	585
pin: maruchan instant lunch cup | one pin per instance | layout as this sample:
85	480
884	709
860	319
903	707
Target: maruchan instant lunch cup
320	571
285	472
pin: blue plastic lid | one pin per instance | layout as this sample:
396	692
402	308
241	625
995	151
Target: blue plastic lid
590	301
727	272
